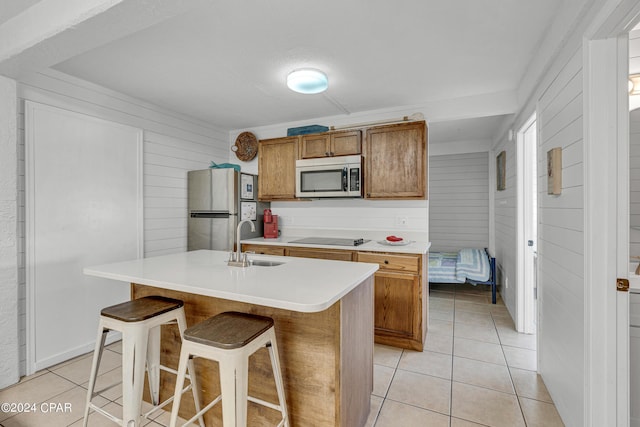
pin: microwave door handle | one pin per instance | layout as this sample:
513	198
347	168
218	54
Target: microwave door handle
345	172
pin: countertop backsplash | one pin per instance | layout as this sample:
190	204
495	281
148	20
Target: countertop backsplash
354	218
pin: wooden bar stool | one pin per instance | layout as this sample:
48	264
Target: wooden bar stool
230	338
139	322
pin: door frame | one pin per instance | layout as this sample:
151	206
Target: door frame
524	299
606	222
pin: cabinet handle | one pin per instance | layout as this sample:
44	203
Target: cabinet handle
326	153
386	261
331	153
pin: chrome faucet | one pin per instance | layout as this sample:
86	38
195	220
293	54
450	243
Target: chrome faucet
236	260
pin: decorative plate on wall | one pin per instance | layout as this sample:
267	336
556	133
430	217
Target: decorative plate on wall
246	146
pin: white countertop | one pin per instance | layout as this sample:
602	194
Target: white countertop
299	284
371	246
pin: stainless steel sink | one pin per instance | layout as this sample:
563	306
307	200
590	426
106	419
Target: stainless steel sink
265	263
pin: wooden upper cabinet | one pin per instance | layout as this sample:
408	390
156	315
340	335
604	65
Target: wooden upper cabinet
315	145
341	143
396	161
277	168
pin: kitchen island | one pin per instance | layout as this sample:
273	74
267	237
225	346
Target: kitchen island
323	314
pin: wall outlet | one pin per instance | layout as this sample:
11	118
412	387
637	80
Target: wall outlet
402	221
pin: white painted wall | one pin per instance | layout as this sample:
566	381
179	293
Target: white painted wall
558	101
173	144
459	201
634	150
634	173
505	207
84	207
561	353
10	244
561	240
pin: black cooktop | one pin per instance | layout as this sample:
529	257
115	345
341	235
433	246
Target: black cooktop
330	241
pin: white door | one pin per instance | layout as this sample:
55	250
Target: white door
528	226
83	207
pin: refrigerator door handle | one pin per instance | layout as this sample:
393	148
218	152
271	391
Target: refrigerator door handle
209	214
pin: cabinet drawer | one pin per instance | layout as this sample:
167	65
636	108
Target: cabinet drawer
264	249
320	254
409	263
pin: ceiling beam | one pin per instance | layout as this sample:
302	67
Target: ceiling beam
473	106
52	31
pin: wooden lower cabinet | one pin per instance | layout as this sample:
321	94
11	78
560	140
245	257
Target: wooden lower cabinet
401	299
395	303
336	255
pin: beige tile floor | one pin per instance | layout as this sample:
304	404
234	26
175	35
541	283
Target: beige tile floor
476	370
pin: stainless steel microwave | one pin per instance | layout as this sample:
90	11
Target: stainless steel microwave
329	177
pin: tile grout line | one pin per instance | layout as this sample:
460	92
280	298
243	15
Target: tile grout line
515	390
384	398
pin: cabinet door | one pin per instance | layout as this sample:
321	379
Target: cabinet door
346	143
396	304
320	254
315	146
277	168
396	161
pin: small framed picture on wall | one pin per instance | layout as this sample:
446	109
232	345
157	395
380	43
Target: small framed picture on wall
501	164
554	171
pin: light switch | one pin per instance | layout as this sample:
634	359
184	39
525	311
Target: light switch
248	211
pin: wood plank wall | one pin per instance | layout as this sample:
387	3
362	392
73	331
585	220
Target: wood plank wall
634	152
634	173
459	201
173	145
559	103
561	239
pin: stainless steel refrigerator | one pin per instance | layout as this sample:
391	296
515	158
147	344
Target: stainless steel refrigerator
218	200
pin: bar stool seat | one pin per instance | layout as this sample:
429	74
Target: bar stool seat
139	322
141	309
230	338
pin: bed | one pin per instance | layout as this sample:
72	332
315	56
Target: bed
468	265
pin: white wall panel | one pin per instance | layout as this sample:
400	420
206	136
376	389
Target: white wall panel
505	226
12	319
561	242
84	208
22	274
458	201
173	144
634	159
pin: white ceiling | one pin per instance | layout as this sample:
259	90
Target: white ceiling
11	8
226	62
466	130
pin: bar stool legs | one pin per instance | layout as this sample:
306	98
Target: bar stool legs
139	321
215	339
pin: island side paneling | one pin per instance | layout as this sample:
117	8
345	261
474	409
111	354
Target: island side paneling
326	359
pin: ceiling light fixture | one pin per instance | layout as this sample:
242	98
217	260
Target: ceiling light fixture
634	84
307	80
